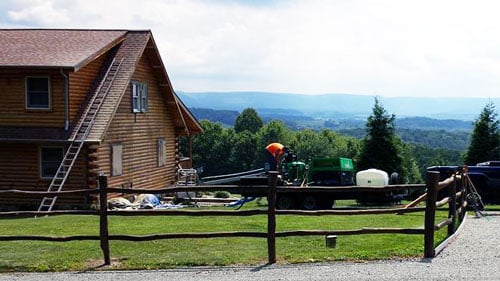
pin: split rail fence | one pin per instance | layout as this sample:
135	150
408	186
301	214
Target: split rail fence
456	211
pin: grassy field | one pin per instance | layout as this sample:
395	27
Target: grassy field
57	256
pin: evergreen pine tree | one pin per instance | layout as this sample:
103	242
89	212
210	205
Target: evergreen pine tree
485	138
380	147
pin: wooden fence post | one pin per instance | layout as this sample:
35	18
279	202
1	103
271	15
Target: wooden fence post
464	188
430	213
271	217
103	214
452	212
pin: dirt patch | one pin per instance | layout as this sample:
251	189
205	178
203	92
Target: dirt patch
98	264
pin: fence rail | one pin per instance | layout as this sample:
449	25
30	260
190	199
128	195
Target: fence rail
433	185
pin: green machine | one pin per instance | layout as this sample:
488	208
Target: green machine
321	171
336	171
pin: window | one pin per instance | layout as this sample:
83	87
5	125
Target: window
139	97
37	93
162	155
50	159
116	160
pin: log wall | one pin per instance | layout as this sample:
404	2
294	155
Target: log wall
20	164
14	111
139	134
81	84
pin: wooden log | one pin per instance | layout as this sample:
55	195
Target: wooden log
446	183
27	214
208	213
430	213
46	193
49	238
271	218
103	218
187	236
263	189
442	224
260	189
162	212
461	210
452	190
423	197
350	212
409	231
94	171
417	201
443	202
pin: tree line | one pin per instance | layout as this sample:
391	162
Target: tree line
223	150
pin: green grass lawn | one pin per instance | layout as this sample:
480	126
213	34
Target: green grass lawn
58	256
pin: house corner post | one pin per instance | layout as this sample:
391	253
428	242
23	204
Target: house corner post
103	221
430	213
271	217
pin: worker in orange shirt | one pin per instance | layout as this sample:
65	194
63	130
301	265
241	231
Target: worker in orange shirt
274	152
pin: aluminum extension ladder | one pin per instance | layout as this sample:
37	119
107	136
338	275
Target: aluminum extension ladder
80	135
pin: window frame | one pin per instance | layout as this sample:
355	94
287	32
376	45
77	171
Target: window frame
161	150
140	103
42	162
27	93
116	159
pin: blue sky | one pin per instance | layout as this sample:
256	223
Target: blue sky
385	48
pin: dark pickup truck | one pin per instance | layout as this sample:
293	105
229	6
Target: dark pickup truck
485	177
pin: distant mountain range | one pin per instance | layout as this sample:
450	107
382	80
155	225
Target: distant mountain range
338	106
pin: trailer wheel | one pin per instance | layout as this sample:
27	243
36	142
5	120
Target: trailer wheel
327	203
285	202
310	202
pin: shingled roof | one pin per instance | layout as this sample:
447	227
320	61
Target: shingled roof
73	49
55	47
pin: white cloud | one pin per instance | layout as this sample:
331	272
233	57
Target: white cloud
41	12
386	47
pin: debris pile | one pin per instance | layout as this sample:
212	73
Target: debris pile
143	201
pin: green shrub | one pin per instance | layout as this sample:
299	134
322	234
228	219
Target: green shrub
222	194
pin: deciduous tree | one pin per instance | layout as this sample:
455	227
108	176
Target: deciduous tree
211	149
248	120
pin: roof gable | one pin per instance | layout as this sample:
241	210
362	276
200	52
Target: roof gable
55	47
134	46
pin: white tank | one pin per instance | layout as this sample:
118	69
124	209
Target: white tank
372	177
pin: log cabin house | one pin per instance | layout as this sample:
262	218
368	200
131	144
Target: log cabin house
80	103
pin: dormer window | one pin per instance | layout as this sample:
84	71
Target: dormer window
37	92
139	97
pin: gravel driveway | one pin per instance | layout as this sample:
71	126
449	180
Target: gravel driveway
473	255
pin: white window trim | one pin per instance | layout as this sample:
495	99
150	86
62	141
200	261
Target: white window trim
40	162
26	93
